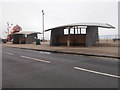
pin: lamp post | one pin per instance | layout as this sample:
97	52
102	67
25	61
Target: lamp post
8	31
43	23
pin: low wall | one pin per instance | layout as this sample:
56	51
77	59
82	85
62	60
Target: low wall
107	44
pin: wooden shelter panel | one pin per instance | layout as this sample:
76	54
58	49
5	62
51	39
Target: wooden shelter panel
74	39
63	39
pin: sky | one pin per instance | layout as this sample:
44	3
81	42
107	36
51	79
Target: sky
28	14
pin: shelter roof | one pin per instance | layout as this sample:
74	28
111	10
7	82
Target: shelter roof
103	25
28	32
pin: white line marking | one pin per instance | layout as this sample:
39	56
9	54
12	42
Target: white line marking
44	52
7	53
25	57
35	59
101	73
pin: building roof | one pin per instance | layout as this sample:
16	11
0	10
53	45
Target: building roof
27	32
103	25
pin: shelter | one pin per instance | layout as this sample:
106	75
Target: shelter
24	37
79	34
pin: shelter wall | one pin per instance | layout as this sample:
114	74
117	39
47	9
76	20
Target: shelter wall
91	36
19	39
31	38
55	36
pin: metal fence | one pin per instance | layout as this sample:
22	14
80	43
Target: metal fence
108	38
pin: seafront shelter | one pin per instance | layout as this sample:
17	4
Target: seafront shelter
24	37
79	34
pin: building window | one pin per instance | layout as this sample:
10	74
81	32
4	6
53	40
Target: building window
65	31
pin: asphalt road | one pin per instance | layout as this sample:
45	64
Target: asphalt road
33	69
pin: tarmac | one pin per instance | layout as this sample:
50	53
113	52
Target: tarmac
99	51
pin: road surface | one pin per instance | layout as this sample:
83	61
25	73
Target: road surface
34	69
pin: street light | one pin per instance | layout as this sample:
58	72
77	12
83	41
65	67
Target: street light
43	23
8	31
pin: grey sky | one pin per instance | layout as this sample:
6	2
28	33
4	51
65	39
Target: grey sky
28	14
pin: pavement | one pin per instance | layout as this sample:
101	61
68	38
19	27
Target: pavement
100	51
23	68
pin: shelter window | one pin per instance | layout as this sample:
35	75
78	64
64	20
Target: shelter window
26	35
71	31
83	30
76	30
65	31
79	31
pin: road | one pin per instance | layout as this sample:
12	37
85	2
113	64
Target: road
34	69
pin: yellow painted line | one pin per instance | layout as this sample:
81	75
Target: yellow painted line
45	61
95	72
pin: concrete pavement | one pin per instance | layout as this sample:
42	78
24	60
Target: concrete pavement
111	52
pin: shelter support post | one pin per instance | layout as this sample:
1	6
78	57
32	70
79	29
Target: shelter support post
68	41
